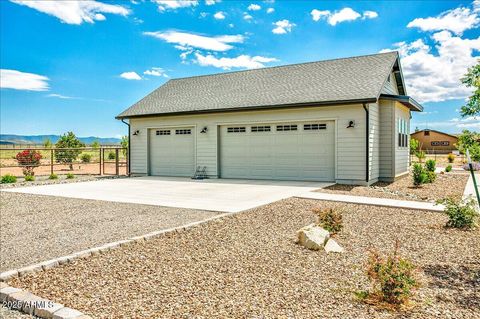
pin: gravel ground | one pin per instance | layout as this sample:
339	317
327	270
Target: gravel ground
6	313
248	266
62	179
35	228
446	185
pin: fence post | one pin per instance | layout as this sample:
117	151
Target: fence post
117	171
51	161
100	159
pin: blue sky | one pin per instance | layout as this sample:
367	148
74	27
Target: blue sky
74	65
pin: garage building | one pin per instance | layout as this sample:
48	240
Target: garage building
344	120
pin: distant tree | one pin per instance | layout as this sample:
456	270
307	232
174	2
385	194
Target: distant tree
467	140
472	80
95	144
47	143
124	144
71	149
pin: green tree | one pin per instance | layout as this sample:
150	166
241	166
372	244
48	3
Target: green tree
124	144
414	146
96	144
47	143
472	80
471	141
69	150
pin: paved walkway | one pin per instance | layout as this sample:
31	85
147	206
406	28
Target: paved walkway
372	201
470	188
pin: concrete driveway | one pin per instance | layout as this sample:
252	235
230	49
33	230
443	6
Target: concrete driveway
221	195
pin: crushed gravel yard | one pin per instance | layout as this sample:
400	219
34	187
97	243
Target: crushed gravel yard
446	185
6	313
249	266
36	228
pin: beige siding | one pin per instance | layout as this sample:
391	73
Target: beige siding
350	143
401	153
387	139
390	87
374	142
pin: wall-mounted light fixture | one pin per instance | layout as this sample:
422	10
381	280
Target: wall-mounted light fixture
136	132
351	124
204	130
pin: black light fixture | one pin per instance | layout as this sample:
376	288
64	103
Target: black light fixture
136	132
351	124
204	130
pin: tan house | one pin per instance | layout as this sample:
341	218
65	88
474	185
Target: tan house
432	141
343	120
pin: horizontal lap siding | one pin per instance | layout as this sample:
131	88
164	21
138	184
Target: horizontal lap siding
374	143
390	87
386	110
350	145
401	153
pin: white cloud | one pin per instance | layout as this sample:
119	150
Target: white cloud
186	40
220	15
242	61
270	10
164	5
75	12
211	2
336	17
247	17
456	20
17	80
155	71
130	76
283	26
434	77
231	25
455	125
60	96
254	7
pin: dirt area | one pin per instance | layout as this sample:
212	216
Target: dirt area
446	185
249	266
36	228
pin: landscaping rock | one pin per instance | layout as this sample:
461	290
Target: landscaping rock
67	313
312	237
5	292
333	247
47	309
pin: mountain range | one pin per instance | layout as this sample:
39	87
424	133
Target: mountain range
39	139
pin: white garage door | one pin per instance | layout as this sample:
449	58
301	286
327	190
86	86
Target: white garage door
172	151
283	151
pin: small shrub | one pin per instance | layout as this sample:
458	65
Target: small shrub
330	219
451	157
70	176
29	178
28	159
448	168
393	279
86	158
461	214
430	165
420	155
8	178
475	166
431	176
111	155
53	176
419	175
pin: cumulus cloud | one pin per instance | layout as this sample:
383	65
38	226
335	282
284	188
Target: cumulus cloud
130	76
220	15
164	5
17	80
188	40
283	26
211	2
254	7
155	71
247	17
336	17
454	125
242	61
75	12
457	20
270	10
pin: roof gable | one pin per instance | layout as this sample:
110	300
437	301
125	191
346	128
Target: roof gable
339	80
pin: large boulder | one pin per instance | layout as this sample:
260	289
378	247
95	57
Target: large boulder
312	237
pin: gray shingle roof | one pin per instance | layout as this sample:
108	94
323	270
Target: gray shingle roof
356	78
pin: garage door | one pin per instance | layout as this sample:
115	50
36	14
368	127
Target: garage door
172	151
283	151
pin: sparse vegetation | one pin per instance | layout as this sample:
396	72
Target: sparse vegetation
53	176
29	178
451	157
70	176
330	219
86	157
419	175
111	155
420	155
124	144
414	146
71	145
8	179
448	168
461	214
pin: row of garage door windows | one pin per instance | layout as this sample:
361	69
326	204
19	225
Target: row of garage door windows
242	129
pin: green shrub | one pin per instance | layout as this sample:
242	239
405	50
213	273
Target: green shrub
420	155
111	155
393	279
29	178
448	168
461	214
70	176
53	176
431	176
430	165
8	178
86	158
451	157
329	219
419	175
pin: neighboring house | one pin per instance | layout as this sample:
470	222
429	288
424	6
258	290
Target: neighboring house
343	120
432	141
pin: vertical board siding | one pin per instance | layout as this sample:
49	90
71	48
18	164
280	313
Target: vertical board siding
387	150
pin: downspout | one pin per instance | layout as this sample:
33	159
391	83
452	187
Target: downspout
367	144
128	124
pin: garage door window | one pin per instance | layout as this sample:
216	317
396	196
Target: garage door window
260	129
183	132
314	127
236	129
163	132
283	128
